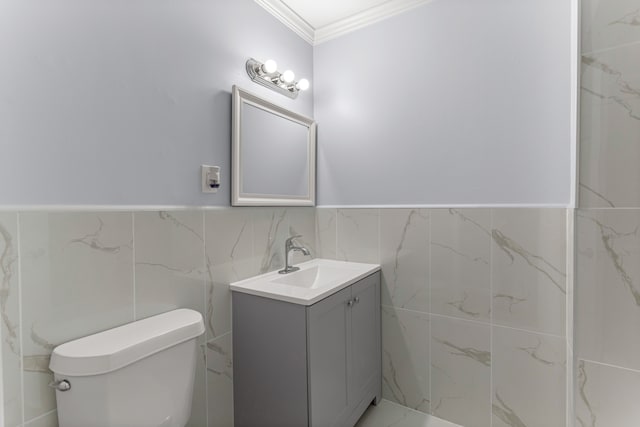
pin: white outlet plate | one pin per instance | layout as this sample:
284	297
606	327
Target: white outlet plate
210	179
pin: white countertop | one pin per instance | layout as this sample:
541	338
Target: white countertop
316	280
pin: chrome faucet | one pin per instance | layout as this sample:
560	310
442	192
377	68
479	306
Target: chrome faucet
288	248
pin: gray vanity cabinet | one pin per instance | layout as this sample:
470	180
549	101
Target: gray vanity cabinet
366	353
329	326
344	353
323	374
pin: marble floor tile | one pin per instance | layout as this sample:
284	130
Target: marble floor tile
528	269
460	258
404	253
389	414
405	357
529	379
358	235
10	321
608	291
461	371
606	396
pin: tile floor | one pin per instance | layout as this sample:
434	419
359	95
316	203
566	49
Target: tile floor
389	414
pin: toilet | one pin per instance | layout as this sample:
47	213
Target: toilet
137	375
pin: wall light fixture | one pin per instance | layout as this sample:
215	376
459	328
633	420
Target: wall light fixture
267	74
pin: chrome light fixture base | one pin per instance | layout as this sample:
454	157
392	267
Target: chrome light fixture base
273	80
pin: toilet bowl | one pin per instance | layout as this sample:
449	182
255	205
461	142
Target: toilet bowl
137	375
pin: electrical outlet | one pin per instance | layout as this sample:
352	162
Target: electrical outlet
210	179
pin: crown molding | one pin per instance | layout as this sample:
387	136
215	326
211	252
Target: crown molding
365	18
289	18
316	36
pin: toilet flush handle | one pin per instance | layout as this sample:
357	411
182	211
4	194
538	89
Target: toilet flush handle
60	385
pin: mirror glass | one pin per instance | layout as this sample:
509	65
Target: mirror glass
273	154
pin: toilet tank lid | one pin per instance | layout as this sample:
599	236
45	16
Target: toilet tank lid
118	347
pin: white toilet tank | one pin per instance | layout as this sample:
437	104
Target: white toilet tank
137	375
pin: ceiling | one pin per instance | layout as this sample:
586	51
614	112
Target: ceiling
317	21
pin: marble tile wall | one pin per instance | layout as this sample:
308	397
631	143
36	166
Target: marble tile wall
473	299
64	275
474	308
610	93
607	317
607	344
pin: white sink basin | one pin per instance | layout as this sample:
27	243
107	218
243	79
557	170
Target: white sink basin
312	277
316	280
309	278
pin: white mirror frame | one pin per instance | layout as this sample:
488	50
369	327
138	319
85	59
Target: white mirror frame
240	97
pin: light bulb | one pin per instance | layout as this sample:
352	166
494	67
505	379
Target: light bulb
303	84
270	66
288	76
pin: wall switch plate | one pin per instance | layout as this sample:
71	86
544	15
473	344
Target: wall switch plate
210	179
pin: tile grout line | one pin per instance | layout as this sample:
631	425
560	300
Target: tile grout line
133	266
451	206
570	242
608	365
206	310
254	257
2	377
220	337
496	325
491	352
46	414
607	208
610	49
462	319
335	243
429	309
67	208
2	381
20	316
379	261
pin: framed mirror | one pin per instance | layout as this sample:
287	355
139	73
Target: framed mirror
273	154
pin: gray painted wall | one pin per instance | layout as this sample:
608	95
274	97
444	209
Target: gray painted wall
120	102
455	102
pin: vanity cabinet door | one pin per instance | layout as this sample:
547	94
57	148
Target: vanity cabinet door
329	350
365	339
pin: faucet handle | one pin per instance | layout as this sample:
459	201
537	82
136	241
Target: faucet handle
290	239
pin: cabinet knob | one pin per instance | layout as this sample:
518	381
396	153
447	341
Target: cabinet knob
350	303
356	300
